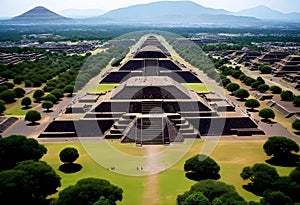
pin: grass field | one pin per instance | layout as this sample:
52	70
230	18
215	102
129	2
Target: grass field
102	88
16	109
231	156
197	87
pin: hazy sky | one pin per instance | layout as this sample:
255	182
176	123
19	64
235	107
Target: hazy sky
10	8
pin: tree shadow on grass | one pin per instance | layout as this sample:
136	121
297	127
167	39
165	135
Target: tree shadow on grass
32	124
250	188
197	177
26	108
297	133
241	100
70	168
292	161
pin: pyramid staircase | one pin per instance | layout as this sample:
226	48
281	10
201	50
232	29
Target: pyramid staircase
118	128
186	129
155	107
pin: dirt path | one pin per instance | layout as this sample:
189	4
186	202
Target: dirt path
152	166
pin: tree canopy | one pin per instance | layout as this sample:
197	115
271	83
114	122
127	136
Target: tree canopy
37	95
275	89
296	101
26	102
47	105
275	198
252	103
281	148
43	179
262	177
266	113
30	182
232	87
17	148
241	93
214	191
68	155
88	191
201	167
287	95
33	116
296	125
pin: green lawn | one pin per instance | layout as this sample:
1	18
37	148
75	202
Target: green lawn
102	88
197	87
16	109
132	186
231	156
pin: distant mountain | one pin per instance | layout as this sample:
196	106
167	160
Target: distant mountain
180	12
264	12
39	14
81	13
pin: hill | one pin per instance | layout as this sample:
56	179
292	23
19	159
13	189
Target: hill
264	12
81	13
40	14
180	12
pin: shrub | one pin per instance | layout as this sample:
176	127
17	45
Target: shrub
287	95
275	89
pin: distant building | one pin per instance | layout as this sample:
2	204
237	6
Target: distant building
269	58
7	58
290	64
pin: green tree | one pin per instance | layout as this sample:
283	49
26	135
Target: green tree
33	116
232	87
58	93
19	92
296	125
252	103
88	191
280	147
68	155
69	89
47	105
26	102
255	84
196	199
17	148
43	180
18	80
260	79
51	98
264	69
37	95
275	89
275	198
263	88
296	101
295	175
202	167
102	201
14	187
287	95
36	83
214	190
8	96
241	93
262	177
248	81
266	113
3	88
2	106
27	83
